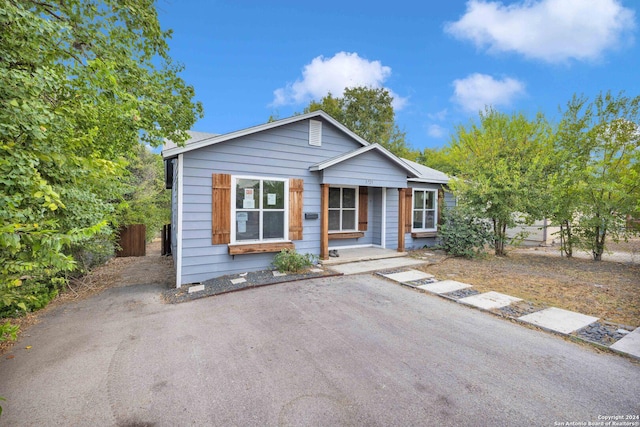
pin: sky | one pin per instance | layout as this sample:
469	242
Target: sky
442	61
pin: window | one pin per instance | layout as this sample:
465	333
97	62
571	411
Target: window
342	208
424	210
260	209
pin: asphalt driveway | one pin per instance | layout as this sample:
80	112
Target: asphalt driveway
352	350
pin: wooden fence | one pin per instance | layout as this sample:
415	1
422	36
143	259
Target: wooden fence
133	241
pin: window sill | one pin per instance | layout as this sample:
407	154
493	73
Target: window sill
255	248
424	234
346	235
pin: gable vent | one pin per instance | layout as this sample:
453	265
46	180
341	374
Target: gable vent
315	133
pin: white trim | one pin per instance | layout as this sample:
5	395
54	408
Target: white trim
341	209
424	210
285	238
429	180
172	152
383	233
346	156
179	220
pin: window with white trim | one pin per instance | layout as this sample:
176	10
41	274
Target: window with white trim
425	210
260	210
343	203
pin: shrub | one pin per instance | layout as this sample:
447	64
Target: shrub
8	332
288	260
462	234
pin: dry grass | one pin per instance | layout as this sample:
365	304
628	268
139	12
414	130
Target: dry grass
606	289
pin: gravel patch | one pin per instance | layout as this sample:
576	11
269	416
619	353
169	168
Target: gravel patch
422	282
601	333
461	293
232	283
519	309
392	271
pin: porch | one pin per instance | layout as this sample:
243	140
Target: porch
362	254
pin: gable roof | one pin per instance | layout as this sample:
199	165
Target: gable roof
351	154
427	174
194	137
205	141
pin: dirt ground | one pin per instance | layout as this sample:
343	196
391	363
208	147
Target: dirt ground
606	289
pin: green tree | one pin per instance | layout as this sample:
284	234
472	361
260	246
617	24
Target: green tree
369	113
439	159
81	82
502	165
598	144
146	200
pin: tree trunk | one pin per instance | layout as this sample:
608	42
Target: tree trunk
598	250
499	232
566	239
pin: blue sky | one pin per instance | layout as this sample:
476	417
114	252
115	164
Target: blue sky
442	61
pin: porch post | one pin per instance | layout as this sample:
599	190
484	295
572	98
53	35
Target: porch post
401	215
324	221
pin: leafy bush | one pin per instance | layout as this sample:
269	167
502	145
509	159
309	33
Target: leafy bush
8	332
288	260
462	234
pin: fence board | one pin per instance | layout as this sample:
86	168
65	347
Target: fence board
132	241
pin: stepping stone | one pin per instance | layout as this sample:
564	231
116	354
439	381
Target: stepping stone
489	300
629	344
276	273
444	286
238	280
197	288
559	320
408	276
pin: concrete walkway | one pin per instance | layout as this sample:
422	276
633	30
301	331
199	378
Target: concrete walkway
553	319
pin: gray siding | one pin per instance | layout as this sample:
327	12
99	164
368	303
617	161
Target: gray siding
370	169
392	219
375	213
449	202
279	152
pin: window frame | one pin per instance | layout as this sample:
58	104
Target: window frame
424	209
234	210
355	209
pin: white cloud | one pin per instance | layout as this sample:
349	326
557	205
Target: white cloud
439	116
436	131
335	74
549	30
476	91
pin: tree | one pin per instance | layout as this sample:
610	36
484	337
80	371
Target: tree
81	82
599	174
146	201
369	113
502	166
439	159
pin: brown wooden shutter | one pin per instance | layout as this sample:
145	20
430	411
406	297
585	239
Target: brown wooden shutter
296	187
408	209
221	209
440	205
363	208
401	215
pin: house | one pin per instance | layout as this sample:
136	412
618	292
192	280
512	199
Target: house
305	182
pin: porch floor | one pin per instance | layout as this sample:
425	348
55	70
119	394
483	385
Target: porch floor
361	254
